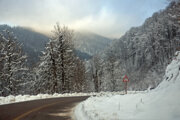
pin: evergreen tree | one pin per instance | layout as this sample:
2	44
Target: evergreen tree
78	82
59	66
65	56
12	64
47	72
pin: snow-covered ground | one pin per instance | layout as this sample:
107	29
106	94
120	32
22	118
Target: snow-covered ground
162	103
20	98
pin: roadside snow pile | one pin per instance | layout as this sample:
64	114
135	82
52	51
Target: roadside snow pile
162	103
21	98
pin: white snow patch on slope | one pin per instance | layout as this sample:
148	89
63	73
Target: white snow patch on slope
162	103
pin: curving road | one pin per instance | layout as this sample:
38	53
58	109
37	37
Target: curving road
45	109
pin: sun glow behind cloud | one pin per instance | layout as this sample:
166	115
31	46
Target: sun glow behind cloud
106	17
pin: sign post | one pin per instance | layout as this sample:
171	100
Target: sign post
125	80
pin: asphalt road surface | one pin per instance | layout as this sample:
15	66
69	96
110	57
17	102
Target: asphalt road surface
45	109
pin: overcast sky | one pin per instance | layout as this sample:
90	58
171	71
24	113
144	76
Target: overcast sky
110	18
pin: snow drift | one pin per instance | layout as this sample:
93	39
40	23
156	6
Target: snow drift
162	103
21	98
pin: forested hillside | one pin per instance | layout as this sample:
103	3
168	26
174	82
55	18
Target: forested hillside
32	42
90	43
59	69
142	53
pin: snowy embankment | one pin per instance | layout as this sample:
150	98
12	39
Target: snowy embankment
162	103
20	98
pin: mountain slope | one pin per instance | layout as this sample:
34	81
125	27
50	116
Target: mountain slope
143	52
86	44
32	42
90	43
162	103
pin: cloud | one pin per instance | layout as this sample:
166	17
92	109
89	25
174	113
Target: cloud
106	17
100	23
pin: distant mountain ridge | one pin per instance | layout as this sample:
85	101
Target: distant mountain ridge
90	43
32	42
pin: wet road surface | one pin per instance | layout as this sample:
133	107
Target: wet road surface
44	109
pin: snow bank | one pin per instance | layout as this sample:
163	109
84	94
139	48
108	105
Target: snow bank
21	98
162	103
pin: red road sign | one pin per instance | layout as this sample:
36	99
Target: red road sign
125	79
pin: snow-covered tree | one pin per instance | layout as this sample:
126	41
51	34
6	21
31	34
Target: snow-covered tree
65	57
78	83
47	71
96	68
110	67
58	68
12	64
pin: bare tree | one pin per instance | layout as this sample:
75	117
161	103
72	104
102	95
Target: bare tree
96	72
111	66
